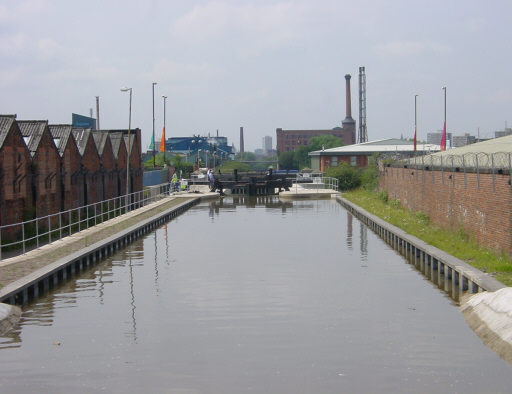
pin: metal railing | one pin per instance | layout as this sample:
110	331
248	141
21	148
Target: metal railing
315	183
18	238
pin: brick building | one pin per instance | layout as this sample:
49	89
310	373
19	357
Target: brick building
133	145
15	176
108	171
120	154
289	140
47	169
70	167
45	182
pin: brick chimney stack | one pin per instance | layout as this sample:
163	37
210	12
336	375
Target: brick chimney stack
348	123
348	97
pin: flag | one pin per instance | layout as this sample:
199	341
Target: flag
415	138
162	141
152	144
443	138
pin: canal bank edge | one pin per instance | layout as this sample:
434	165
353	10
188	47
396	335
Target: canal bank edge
120	232
488	313
490	316
9	316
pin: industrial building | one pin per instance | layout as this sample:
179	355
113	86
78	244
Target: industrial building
45	169
357	155
290	140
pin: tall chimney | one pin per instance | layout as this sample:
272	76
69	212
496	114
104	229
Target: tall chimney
348	98
349	124
241	140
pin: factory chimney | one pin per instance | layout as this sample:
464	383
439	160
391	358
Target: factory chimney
349	124
241	140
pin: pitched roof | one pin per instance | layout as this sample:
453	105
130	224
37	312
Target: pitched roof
387	145
115	139
60	134
32	131
100	139
6	122
81	137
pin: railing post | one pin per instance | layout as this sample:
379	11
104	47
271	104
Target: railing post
79	219
23	235
60	226
37	233
95	215
49	230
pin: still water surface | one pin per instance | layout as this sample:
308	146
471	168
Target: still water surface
250	296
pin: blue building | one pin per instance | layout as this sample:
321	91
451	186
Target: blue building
191	146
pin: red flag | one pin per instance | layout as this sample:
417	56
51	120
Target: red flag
162	141
415	138
443	138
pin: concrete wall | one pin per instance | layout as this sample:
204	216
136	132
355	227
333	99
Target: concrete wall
479	204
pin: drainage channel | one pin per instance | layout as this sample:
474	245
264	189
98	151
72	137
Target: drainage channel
49	277
449	273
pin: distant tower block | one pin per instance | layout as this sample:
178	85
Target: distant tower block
241	140
363	134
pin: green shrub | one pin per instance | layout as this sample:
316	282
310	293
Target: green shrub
348	177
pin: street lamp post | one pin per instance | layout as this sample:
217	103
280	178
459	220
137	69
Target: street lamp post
153	86
415	122
165	98
129	144
443	137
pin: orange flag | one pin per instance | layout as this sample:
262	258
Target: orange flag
162	141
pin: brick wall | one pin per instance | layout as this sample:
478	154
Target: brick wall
479	204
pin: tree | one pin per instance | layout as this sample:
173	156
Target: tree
325	141
245	156
287	161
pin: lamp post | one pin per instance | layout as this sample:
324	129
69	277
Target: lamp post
129	143
165	98
153	86
415	122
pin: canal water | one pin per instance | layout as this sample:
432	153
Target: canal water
250	295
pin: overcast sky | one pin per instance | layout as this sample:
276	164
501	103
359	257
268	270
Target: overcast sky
259	64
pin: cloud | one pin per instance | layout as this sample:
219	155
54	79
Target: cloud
168	70
48	47
270	24
401	48
16	42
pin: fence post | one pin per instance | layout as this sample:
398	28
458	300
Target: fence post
493	176
510	170
442	170
464	167
37	233
95	215
49	230
23	235
477	172
60	225
79	219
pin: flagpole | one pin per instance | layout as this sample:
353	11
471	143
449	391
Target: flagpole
164	97
443	136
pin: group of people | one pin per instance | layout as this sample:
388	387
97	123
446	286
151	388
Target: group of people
175	184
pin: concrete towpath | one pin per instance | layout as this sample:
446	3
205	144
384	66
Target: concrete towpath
15	268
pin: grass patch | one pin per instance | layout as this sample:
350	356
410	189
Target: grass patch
457	243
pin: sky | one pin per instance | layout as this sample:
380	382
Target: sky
259	64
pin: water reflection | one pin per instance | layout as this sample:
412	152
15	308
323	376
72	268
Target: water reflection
270	305
348	239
